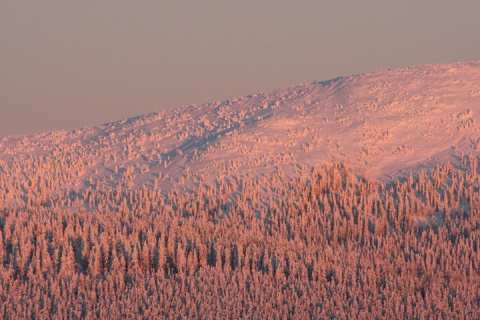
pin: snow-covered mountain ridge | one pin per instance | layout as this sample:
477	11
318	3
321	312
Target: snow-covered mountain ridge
383	124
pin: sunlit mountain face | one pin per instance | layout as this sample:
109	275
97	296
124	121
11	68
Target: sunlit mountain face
356	197
383	124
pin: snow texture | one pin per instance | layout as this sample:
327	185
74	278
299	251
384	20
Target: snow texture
382	124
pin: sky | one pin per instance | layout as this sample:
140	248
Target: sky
70	64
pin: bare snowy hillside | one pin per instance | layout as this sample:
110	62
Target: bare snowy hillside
382	124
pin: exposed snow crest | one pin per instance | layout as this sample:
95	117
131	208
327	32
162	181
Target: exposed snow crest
383	124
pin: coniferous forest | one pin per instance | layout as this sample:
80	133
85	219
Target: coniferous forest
323	243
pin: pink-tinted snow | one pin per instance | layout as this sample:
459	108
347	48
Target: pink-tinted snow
382	124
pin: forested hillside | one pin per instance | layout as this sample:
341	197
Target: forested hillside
354	198
325	243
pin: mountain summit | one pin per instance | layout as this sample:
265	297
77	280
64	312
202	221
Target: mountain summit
382	124
235	210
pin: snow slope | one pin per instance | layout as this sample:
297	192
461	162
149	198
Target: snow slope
383	124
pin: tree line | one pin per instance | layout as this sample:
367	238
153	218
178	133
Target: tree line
323	243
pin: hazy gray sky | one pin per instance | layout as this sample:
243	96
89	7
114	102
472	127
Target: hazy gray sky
66	64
